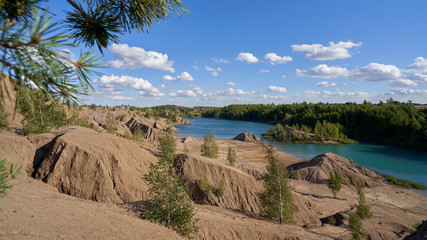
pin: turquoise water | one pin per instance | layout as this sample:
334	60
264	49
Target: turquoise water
399	162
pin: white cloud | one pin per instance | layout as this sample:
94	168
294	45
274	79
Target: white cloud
124	80
276	59
231	91
136	57
121	98
283	76
182	93
198	90
332	52
220	60
323	71
277	89
264	71
326	84
185	76
419	65
405	91
376	72
404	83
419	78
151	94
195	67
247	57
162	86
214	72
231	84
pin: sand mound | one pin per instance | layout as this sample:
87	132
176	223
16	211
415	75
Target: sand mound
151	130
247	137
96	166
240	189
8	97
317	170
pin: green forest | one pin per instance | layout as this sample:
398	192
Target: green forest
388	122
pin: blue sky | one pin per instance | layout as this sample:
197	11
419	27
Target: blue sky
244	52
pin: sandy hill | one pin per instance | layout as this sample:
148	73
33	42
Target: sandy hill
317	170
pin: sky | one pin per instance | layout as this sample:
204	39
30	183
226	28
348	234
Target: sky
277	51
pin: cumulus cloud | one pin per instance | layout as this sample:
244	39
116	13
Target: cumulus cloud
326	84
231	92
136	57
419	65
323	71
182	93
124	80
404	83
264	71
185	76
247	57
376	72
419	78
162	86
276	59
198	90
405	91
319	52
214	71
220	60
277	89
283	76
231	84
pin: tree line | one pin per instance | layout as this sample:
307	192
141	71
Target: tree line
388	122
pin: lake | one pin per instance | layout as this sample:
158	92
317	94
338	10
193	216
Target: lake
399	162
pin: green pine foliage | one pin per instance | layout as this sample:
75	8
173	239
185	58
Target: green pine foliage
209	147
334	182
231	156
7	172
204	184
363	209
356	227
3	118
276	200
219	191
41	115
169	201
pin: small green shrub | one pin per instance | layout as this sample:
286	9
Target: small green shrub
209	147
351	179
356	227
137	134
186	150
204	185
404	182
332	221
334	182
362	209
3	118
219	192
231	156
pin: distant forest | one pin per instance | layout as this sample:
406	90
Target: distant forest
390	122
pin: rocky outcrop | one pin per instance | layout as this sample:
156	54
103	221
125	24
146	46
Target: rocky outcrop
247	137
317	170
96	166
240	189
150	129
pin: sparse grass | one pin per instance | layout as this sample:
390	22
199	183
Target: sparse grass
219	192
404	182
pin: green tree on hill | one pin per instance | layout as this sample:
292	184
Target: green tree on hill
334	182
363	209
231	156
209	147
356	227
276	200
169	202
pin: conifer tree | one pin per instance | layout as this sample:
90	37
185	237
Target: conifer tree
169	202
231	156
363	209
209	147
334	182
6	174
356	227
276	200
